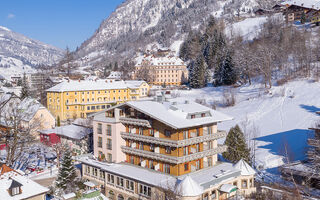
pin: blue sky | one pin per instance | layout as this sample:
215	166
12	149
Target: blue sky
60	23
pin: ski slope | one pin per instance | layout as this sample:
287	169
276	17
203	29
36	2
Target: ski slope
283	115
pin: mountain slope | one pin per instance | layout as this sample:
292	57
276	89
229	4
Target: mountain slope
140	24
19	53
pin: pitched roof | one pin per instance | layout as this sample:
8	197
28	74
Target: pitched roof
15	184
176	115
71	131
29	107
312	4
4	169
188	188
68	86
245	168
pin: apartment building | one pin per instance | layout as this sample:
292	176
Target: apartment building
77	99
162	69
167	147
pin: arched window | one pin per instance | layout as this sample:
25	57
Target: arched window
120	197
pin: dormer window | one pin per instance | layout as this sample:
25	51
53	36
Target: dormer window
15	188
203	114
193	116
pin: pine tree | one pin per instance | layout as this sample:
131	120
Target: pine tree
58	121
67	173
25	91
225	73
237	147
199	73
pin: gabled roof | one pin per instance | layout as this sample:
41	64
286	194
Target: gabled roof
245	168
15	184
29	107
311	4
4	169
188	188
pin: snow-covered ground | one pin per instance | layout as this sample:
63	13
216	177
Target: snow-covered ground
283	115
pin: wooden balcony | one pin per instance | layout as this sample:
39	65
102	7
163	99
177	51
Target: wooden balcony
173	159
173	143
135	122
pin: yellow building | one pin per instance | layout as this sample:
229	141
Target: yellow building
77	99
161	70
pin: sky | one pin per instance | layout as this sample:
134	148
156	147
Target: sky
61	23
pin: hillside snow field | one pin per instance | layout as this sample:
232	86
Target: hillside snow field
283	115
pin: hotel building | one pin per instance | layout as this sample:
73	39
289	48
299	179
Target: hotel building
77	99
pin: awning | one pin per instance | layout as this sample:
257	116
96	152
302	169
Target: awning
228	188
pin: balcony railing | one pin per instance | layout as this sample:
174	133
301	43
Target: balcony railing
173	159
136	122
173	143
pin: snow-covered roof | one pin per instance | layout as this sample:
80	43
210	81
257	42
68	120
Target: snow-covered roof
228	188
68	86
29	107
199	180
115	75
89	184
29	188
71	131
312	4
175	114
188	188
159	60
245	168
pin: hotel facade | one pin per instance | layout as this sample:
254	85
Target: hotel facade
167	147
77	99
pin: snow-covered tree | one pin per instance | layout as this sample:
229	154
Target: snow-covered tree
225	73
237	147
67	173
199	73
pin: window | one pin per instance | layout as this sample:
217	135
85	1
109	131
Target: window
15	191
185	151
102	175
197	164
120	182
109	144
186	167
92	99
145	190
75	93
167	168
100	142
99	129
132	159
110	178
244	184
103	107
140	145
109	157
193	116
203	114
67	93
97	107
67	101
167	133
92	92
213	195
168	150
88	100
185	135
209	161
140	131
151	132
93	107
152	147
88	107
109	130
98	92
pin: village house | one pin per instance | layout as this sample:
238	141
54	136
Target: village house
34	116
78	138
166	145
14	186
77	99
302	10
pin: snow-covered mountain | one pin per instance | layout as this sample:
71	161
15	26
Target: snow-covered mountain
19	53
144	24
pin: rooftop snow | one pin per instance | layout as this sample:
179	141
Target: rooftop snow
314	4
68	86
159	61
246	169
204	178
29	188
29	108
71	131
177	118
